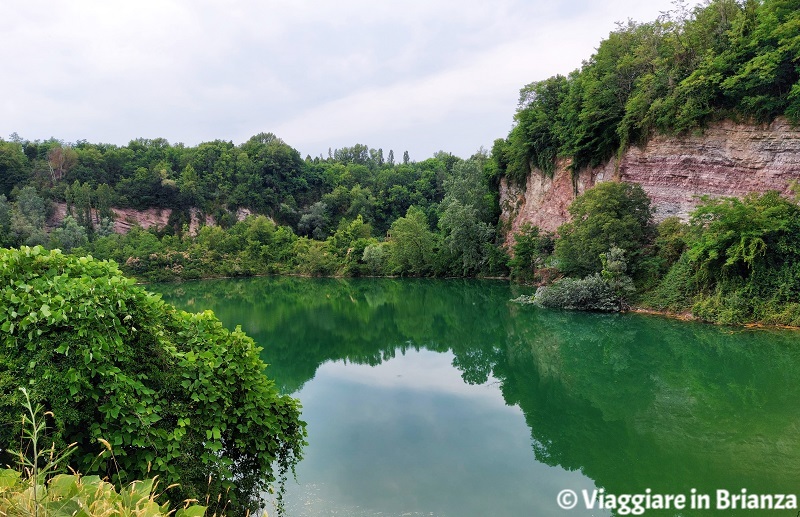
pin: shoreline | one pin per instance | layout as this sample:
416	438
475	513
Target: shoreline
681	316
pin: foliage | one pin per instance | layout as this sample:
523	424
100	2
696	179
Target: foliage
312	205
531	248
606	291
466	210
169	390
28	217
68	495
14	168
6	239
741	263
723	58
611	214
413	244
69	235
41	487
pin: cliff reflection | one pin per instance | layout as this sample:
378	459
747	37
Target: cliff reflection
633	402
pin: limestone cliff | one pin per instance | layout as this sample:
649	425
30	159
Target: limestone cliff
127	218
727	159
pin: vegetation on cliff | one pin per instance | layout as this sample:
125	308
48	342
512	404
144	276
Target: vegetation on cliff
736	261
348	214
175	394
723	59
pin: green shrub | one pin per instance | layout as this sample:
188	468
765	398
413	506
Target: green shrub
592	293
176	394
69	495
611	214
41	488
606	291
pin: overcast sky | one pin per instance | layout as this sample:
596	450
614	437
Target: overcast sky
417	75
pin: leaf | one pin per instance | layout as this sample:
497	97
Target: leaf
8	478
192	511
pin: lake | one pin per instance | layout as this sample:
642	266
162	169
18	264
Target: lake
443	397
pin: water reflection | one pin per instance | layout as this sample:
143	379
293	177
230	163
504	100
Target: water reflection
632	402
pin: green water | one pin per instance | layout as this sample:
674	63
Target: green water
428	397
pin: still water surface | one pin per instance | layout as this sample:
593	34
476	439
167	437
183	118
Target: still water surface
441	397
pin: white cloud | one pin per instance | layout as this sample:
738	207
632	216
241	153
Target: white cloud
420	75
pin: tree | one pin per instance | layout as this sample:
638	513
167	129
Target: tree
61	159
175	394
465	212
466	236
412	243
315	221
376	257
69	235
531	247
188	186
104	196
6	238
607	215
533	140
14	167
406	159
28	217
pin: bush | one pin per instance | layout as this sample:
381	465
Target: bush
176	394
592	293
606	291
611	214
41	487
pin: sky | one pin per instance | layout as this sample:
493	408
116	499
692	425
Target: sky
418	76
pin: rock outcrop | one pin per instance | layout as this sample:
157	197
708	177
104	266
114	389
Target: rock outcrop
127	218
727	159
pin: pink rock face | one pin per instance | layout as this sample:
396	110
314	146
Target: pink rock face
728	159
127	218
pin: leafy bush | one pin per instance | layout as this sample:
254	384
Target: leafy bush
741	262
69	495
176	394
41	488
606	291
592	293
611	214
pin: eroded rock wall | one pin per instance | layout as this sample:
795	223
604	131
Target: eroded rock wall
727	159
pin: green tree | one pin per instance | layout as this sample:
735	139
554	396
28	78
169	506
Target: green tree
611	214
533	140
104	196
14	168
28	217
315	221
531	247
466	237
376	257
465	212
412	243
6	238
69	235
176	394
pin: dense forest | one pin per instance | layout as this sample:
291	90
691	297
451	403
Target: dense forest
361	212
734	59
321	216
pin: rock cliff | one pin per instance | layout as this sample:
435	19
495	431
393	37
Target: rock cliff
727	159
127	218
